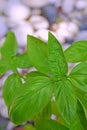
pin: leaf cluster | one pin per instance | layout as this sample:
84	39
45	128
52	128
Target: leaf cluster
51	89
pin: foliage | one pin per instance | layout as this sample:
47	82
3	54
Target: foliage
51	89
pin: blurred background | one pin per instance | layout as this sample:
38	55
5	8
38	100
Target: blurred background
66	19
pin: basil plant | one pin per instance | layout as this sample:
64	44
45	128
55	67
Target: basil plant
50	89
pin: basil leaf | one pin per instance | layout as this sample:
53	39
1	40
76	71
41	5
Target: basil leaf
10	46
37	51
77	52
11	86
48	124
66	100
3	67
33	74
34	96
82	117
21	61
78	76
82	97
56	57
76	124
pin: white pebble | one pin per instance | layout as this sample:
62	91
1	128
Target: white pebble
66	30
68	5
17	11
39	22
81	36
2	5
3	27
73	28
42	34
65	46
2	103
21	33
36	11
4	112
81	4
35	3
10	126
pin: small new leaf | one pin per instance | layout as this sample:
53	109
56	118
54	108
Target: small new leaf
37	51
56	57
10	46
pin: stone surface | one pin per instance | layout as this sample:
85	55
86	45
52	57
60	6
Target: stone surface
17	11
21	32
39	22
4	112
10	126
3	27
68	5
82	35
81	4
35	3
2	5
50	12
42	33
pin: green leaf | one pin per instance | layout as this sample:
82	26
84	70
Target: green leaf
77	52
66	100
56	57
29	127
82	97
11	87
37	51
78	76
3	67
82	117
10	46
33	74
34	96
76	124
48	124
21	61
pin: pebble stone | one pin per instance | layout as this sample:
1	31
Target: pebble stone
68	6
82	35
42	33
39	22
35	3
3	27
21	31
4	112
81	4
10	126
17	11
2	5
50	12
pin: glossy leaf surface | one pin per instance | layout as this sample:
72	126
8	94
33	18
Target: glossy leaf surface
38	56
77	52
66	100
34	96
10	47
11	87
56	57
